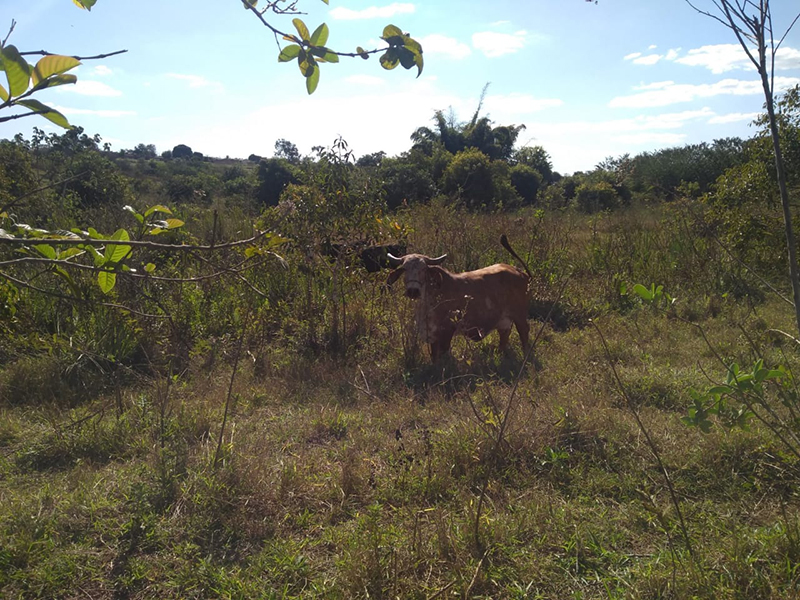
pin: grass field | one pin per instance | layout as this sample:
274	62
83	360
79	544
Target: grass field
362	471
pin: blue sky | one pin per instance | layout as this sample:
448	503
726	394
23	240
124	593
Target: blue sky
588	81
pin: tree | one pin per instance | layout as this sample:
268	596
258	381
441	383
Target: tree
287	150
756	30
143	151
274	174
537	158
182	151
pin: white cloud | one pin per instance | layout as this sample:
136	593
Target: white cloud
494	44
666	93
86	87
732	118
652	47
631	56
505	106
718	59
672	54
373	12
101	71
721	58
196	81
441	44
255	131
650	59
96	113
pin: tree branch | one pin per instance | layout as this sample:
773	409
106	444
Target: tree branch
69	298
95	57
15	241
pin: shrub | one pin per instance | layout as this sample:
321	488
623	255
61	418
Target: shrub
591	197
527	181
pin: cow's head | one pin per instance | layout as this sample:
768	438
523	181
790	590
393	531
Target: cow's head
416	269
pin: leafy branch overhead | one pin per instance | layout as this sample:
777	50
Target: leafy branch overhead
309	49
24	80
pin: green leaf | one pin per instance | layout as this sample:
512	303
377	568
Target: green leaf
3	94
320	35
106	280
289	53
389	59
48	113
55	80
149	267
98	258
174	223
117	252
69	253
46	250
87	4
312	80
18	71
134	212
301	29
307	64
324	55
720	389
391	31
642	292
157	208
406	58
362	53
53	64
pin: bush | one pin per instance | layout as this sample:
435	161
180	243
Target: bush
596	196
404	182
527	181
274	175
469	178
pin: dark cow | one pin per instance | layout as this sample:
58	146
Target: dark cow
372	257
470	304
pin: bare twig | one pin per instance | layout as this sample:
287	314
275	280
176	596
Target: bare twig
245	322
95	57
15	241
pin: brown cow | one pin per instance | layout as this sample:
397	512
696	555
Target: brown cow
470	304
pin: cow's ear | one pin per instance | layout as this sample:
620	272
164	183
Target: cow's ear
394	276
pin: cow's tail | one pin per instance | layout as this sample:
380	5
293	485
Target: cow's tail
507	246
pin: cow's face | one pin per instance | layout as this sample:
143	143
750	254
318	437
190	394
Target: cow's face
416	270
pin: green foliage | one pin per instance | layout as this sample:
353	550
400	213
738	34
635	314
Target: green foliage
477	181
659	174
536	158
273	176
24	80
527	181
182	151
596	196
767	394
405	182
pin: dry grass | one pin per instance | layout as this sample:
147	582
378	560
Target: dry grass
357	474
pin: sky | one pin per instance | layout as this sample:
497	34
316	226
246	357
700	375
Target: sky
588	81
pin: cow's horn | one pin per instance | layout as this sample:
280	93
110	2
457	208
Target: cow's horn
435	261
393	260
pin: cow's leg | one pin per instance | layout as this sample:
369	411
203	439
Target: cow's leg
523	329
504	335
441	346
